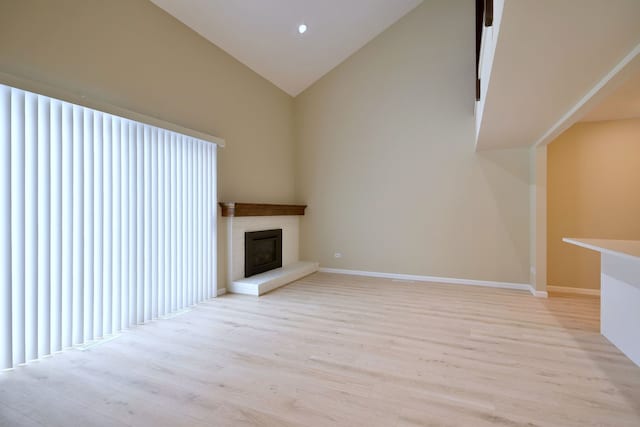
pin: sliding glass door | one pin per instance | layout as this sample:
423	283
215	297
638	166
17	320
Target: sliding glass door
104	223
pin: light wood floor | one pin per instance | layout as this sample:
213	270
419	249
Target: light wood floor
343	350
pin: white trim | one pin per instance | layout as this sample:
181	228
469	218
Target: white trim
538	294
436	279
571	290
565	121
96	104
221	291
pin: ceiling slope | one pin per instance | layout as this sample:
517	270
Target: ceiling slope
263	34
549	55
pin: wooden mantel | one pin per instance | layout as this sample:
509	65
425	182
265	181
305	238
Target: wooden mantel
260	209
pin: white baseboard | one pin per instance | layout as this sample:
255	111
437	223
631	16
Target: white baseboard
436	279
570	290
222	291
538	294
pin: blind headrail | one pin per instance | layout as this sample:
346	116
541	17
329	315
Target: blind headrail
81	99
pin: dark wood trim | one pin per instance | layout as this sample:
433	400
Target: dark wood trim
488	13
479	27
484	18
260	209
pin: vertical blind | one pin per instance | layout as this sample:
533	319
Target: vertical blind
105	223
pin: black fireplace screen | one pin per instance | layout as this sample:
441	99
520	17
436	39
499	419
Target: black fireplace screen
262	251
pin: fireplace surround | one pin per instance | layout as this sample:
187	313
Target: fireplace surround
239	219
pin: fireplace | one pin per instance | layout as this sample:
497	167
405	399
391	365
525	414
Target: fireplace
262	251
242	220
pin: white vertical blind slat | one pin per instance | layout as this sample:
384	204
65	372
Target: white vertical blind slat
135	204
166	212
107	226
67	224
44	214
116	245
179	232
56	225
18	226
125	222
88	232
153	240
209	207
204	265
98	213
174	221
207	225
77	256
183	223
213	213
139	265
197	226
193	214
189	214
6	325
147	222
31	226
160	209
200	207
105	223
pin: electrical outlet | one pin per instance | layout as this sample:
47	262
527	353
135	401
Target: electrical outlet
337	255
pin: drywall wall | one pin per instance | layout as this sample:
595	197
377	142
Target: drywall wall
538	218
132	54
386	160
593	190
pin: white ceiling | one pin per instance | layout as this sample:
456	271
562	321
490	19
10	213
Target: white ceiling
623	103
263	35
549	55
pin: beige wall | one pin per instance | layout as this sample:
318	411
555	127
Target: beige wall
132	54
386	160
593	191
385	143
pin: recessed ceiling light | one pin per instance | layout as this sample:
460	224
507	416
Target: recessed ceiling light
302	28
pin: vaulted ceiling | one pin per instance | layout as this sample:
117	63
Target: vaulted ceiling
264	34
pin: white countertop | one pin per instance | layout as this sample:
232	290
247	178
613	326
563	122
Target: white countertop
624	248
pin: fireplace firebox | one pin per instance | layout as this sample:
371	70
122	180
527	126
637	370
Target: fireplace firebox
262	251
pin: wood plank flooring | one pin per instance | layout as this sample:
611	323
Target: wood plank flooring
343	350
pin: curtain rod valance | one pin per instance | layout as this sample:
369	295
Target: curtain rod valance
80	99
